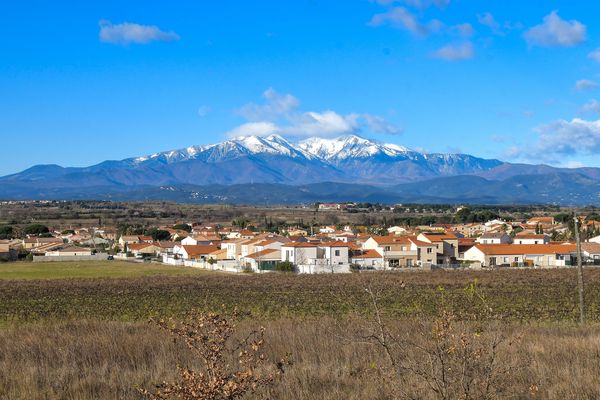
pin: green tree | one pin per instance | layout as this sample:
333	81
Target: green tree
182	227
36	229
159	234
7	232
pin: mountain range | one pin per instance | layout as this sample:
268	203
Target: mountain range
272	169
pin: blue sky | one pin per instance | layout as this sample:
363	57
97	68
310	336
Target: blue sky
81	82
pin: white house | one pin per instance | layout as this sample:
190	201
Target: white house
368	259
299	252
595	239
542	255
396	230
69	251
526	238
264	260
494	238
336	253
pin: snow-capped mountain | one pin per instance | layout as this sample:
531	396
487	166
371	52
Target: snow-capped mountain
352	147
269	160
233	148
326	150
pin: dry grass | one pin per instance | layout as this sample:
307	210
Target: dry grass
106	360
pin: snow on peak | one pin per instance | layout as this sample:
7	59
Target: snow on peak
348	147
337	149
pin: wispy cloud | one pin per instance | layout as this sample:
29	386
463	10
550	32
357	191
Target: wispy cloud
595	55
276	105
402	18
592	106
203	111
585	84
465	29
556	32
452	52
127	33
487	19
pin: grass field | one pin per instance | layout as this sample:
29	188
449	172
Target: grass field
74	331
91	269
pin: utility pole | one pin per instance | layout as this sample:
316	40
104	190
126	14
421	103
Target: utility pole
579	272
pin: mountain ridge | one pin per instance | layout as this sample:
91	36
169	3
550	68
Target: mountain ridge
396	171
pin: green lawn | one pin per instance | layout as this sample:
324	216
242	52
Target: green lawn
91	269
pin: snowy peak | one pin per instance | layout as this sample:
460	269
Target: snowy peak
350	147
334	152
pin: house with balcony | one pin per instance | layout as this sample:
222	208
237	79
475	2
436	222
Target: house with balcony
401	251
446	246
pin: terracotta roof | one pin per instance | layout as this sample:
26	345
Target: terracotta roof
139	246
420	243
368	254
509	249
266	253
438	237
392	239
590	247
300	244
199	250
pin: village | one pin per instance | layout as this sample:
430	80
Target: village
532	243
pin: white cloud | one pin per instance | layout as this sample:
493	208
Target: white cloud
280	115
254	129
328	123
556	32
127	33
595	55
463	51
561	138
276	105
592	106
487	19
585	84
400	17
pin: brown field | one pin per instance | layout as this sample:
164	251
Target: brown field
108	360
90	338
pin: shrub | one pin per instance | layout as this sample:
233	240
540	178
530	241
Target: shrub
285	266
210	338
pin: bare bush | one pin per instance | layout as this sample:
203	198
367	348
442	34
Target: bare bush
444	358
210	338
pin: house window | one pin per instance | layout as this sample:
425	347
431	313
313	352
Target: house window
429	250
516	259
337	253
387	248
409	262
505	260
492	261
